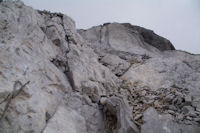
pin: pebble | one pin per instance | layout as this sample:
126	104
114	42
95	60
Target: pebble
187	109
179	100
103	100
188	100
171	112
169	98
196	119
198	109
171	107
192	114
189	118
197	113
149	101
156	104
138	116
143	93
179	116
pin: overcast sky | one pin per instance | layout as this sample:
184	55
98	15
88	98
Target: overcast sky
176	20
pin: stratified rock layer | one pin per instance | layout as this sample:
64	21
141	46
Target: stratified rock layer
110	78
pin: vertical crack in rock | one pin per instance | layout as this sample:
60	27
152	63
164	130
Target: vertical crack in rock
107	35
62	64
64	67
69	39
70	78
116	109
100	34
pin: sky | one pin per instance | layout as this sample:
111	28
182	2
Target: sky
176	20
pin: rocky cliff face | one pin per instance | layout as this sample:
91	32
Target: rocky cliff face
113	78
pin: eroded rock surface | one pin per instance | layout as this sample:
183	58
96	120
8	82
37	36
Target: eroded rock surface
118	108
155	123
109	78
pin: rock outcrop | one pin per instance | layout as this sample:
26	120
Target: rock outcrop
112	78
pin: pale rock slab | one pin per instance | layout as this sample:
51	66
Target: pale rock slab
156	123
66	120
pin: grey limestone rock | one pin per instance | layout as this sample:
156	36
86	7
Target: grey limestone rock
118	107
117	65
156	123
151	38
104	79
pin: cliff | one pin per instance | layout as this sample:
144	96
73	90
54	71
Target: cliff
112	78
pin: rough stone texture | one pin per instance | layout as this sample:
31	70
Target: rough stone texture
103	79
115	37
25	55
155	123
66	120
151	38
117	65
86	108
118	108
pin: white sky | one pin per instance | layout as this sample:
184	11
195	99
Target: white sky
176	20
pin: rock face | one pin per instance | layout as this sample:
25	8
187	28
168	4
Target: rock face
112	78
151	38
155	123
